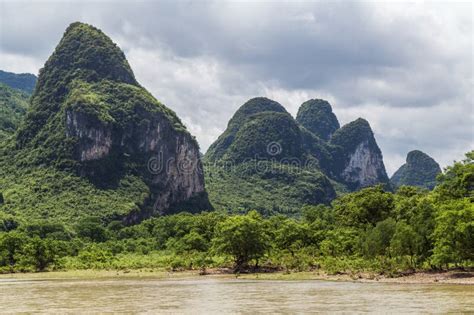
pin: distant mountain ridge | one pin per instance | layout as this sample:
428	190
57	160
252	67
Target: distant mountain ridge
22	81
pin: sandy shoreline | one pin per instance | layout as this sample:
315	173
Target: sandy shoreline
446	277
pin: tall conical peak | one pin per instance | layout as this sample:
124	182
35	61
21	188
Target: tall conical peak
88	115
245	113
86	53
268	135
316	115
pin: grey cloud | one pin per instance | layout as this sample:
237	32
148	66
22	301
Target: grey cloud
397	64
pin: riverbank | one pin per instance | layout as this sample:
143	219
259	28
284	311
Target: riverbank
443	277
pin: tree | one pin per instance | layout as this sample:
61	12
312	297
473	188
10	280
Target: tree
377	239
243	237
405	242
367	206
291	235
38	253
92	229
340	242
10	245
454	233
457	180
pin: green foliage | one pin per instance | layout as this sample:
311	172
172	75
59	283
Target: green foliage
377	240
242	237
254	106
405	241
367	206
457	180
255	138
454	232
23	81
46	193
91	229
370	230
13	106
316	115
340	241
420	170
265	186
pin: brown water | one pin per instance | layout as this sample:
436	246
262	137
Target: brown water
212	296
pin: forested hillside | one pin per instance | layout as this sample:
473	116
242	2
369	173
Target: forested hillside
13	106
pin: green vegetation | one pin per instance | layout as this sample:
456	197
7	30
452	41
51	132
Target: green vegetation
24	81
369	230
13	106
268	187
420	170
310	152
75	176
266	136
245	113
317	116
49	194
85	142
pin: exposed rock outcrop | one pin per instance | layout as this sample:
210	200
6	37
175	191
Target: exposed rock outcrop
419	170
359	159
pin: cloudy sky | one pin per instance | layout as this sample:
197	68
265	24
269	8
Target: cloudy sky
407	67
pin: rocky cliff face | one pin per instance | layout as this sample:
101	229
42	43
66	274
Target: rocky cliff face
359	159
89	114
363	166
419	170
